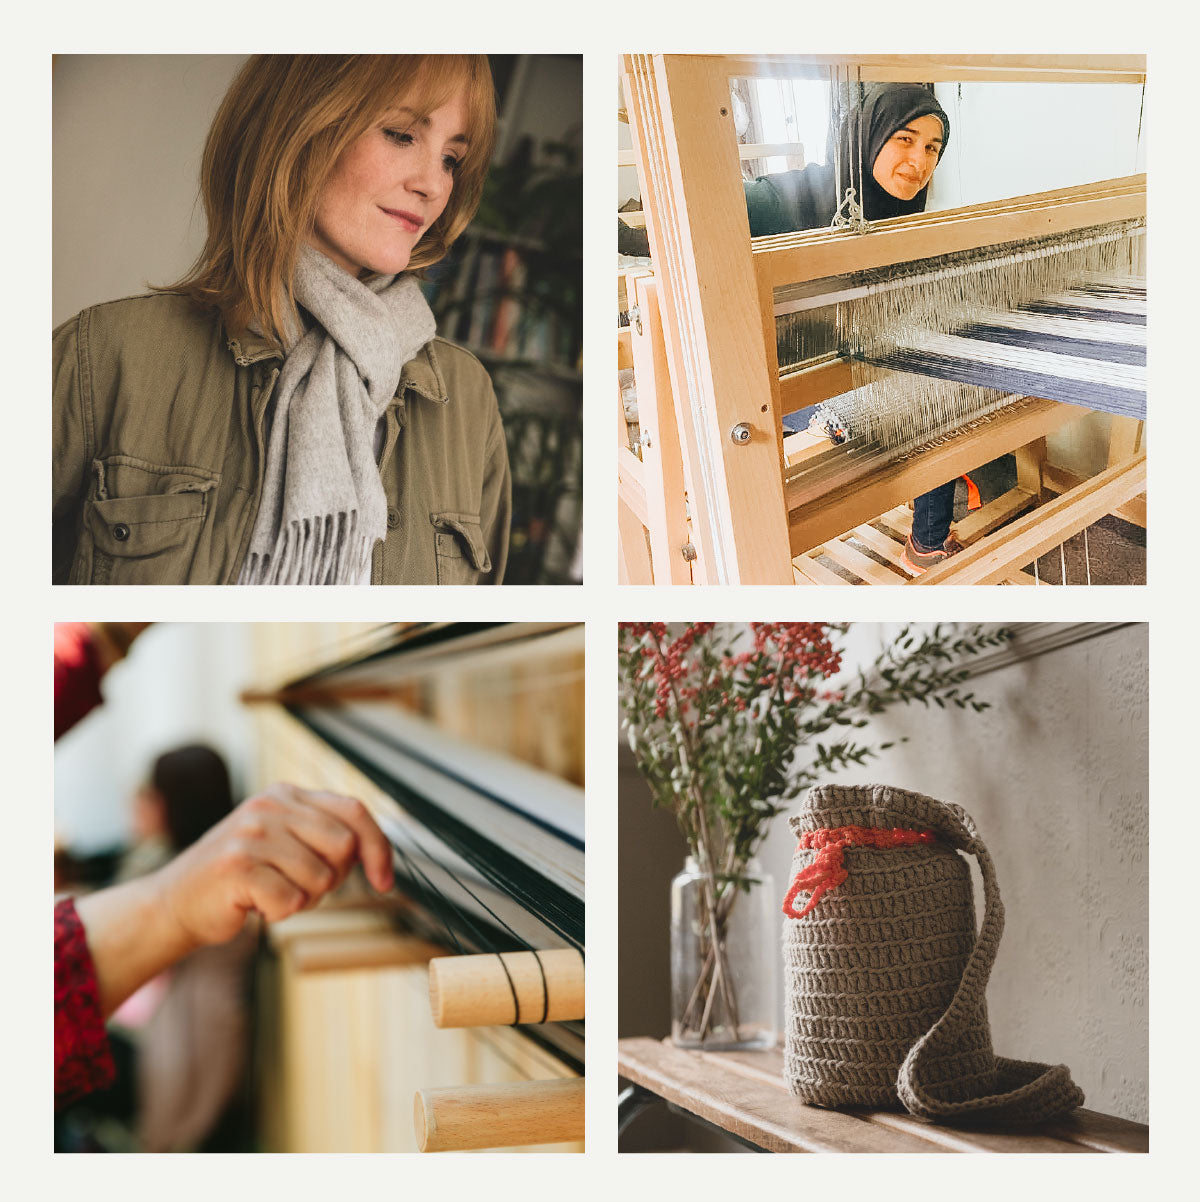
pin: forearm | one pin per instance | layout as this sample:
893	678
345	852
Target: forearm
132	936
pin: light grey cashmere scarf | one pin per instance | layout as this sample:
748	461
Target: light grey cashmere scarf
323	506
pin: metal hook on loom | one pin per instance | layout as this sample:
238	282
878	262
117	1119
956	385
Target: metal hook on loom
853	218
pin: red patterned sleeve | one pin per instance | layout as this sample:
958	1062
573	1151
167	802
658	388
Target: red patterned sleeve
82	1059
77	674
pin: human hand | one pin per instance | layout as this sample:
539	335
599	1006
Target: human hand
277	853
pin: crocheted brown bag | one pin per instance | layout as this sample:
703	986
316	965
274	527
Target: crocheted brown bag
884	972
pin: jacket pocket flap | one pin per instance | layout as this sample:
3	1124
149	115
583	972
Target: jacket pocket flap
459	533
140	526
128	476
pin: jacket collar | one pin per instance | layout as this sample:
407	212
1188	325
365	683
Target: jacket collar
422	374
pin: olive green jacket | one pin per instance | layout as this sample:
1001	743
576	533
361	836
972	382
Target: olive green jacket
159	450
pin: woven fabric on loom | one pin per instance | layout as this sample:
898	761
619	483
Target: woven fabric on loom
488	850
885	975
1085	346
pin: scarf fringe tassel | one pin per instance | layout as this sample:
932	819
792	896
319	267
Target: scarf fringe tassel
320	550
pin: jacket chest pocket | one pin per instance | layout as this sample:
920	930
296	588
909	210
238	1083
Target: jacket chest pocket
462	555
144	523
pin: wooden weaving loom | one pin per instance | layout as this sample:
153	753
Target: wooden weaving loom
714	492
449	1016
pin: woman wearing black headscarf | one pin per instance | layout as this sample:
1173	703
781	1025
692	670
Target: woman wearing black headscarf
886	149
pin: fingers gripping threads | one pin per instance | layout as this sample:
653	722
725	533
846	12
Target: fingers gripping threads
827	869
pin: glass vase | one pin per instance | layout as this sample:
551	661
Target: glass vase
724	937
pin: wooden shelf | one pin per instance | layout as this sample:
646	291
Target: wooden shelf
743	1093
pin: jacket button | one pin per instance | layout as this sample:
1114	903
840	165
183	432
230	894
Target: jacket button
393	517
120	532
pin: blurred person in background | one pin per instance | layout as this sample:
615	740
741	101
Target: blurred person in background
189	1026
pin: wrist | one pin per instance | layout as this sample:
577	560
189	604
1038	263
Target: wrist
164	918
131	935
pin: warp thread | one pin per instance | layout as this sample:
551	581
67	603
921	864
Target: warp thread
895	308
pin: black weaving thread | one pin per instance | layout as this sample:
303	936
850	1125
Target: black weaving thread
555	907
428	892
545	987
1082	348
421	758
1052	308
431	890
430	634
499	956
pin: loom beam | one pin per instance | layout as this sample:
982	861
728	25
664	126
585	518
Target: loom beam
499	1116
475	991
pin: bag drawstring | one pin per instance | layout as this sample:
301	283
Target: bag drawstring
827	870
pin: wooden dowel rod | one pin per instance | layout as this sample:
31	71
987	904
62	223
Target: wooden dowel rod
344	953
499	1116
475	991
324	694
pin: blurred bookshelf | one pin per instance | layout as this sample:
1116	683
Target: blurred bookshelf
511	292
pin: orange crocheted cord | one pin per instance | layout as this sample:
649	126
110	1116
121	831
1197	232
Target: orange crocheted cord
826	871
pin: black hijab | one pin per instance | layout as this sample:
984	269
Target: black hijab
808	198
885	108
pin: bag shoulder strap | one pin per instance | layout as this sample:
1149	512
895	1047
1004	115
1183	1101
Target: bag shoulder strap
1028	1092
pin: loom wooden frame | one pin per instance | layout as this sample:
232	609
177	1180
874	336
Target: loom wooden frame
545	1110
715	290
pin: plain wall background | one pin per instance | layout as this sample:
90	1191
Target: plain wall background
1055	775
1009	139
129	132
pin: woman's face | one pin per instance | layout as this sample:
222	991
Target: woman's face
905	164
388	187
149	813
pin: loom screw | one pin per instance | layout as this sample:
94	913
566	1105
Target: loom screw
688	551
740	433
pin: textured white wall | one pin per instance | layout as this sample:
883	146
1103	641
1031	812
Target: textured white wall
1055	775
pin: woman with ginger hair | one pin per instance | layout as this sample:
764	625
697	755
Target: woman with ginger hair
285	413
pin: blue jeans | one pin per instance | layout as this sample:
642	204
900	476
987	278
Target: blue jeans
932	512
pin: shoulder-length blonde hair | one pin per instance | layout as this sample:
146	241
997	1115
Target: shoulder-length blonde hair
273	144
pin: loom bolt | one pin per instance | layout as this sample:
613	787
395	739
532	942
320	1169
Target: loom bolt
688	551
740	433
